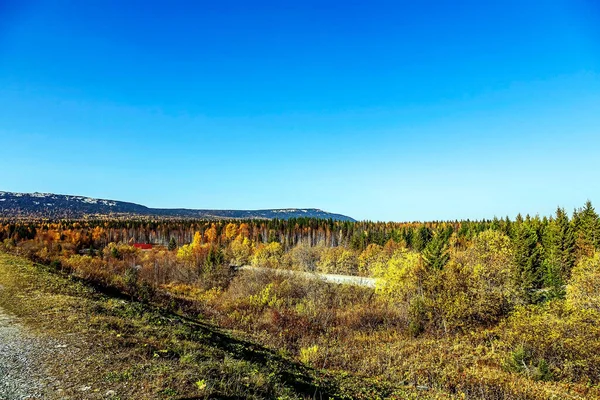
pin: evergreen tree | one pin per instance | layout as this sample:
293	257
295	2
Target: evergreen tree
421	238
587	227
559	253
566	243
436	255
172	244
506	226
408	235
496	224
528	260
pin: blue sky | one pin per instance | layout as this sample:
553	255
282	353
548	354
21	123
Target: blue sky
379	110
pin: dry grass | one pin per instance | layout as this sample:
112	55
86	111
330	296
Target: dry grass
126	350
347	329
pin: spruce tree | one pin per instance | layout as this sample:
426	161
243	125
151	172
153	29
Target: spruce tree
559	253
421	238
567	243
528	261
436	255
408	236
587	227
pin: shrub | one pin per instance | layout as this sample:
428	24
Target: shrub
338	260
478	286
553	340
583	290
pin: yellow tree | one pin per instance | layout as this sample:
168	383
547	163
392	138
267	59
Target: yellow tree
338	260
241	250
268	255
244	230
373	257
211	234
231	230
197	242
98	233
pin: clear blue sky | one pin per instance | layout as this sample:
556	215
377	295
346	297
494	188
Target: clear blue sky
399	110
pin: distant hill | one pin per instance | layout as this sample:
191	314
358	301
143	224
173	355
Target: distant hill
49	205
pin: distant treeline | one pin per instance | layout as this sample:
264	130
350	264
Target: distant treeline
583	225
546	248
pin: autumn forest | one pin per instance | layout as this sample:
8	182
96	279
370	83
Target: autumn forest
500	308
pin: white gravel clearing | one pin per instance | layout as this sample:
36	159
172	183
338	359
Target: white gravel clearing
331	278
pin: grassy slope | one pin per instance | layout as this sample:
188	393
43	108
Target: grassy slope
137	351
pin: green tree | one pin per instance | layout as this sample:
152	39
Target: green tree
559	253
435	255
421	238
587	228
528	259
172	244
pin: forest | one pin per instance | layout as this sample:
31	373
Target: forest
499	308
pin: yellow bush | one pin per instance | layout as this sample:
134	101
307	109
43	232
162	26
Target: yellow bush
309	354
338	260
268	255
478	286
372	258
567	340
241	250
88	267
583	290
401	277
266	298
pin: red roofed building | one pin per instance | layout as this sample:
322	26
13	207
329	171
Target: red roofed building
142	246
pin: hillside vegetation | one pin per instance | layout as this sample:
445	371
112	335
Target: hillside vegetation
498	309
50	205
112	347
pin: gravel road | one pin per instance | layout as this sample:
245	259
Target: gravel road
21	374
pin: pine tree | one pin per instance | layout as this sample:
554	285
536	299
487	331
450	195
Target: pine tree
172	244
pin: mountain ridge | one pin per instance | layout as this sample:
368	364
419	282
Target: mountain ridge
51	205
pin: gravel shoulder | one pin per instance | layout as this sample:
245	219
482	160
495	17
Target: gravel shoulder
21	375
